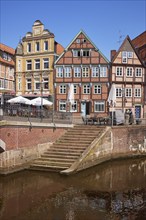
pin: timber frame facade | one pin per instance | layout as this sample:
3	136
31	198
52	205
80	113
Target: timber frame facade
83	65
35	57
128	74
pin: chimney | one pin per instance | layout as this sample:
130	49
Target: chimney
113	52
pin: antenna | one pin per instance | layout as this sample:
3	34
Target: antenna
120	38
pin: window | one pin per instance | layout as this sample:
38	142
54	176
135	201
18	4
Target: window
28	84
97	89
95	71
2	83
67	72
59	72
9	58
130	54
78	41
138	72
103	71
124	57
77	72
29	47
75	89
129	71
85	72
37	84
46	63
62	106
128	92
37	64
99	106
45	83
118	92
76	53
19	65
45	45
119	71
28	64
74	107
5	56
62	89
86	89
19	83
137	92
37	46
85	53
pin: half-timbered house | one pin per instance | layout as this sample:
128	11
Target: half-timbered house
82	66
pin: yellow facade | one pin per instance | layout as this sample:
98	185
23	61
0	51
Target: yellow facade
34	62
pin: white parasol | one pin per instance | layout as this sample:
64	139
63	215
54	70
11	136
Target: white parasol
19	99
39	101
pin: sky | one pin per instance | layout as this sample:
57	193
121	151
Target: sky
105	22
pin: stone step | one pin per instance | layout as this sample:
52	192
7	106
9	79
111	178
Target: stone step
41	162
69	150
79	136
71	153
60	155
50	159
73	142
47	168
69	147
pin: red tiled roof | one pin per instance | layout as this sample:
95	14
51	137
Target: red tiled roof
59	48
7	49
140	40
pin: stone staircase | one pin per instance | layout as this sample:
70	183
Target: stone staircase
67	149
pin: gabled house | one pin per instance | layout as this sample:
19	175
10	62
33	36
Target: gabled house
35	56
128	74
84	66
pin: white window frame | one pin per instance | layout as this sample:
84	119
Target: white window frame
124	56
86	89
76	53
37	83
130	54
62	89
137	92
59	72
67	72
19	83
74	107
138	72
119	71
29	63
46	62
77	72
62	106
128	92
37	64
99	106
85	72
129	71
97	89
118	92
28	83
103	71
95	71
86	53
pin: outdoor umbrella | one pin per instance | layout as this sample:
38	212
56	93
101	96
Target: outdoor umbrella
112	98
39	101
71	94
19	99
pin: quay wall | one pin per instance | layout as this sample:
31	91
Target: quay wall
115	142
23	142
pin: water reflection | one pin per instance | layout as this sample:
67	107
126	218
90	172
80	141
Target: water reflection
115	190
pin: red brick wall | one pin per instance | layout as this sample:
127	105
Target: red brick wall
21	137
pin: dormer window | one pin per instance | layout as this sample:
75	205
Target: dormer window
130	54
77	41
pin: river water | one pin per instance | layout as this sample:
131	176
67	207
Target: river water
111	191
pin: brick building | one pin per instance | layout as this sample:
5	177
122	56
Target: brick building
128	74
83	66
7	79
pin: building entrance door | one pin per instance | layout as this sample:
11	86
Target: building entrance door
138	111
